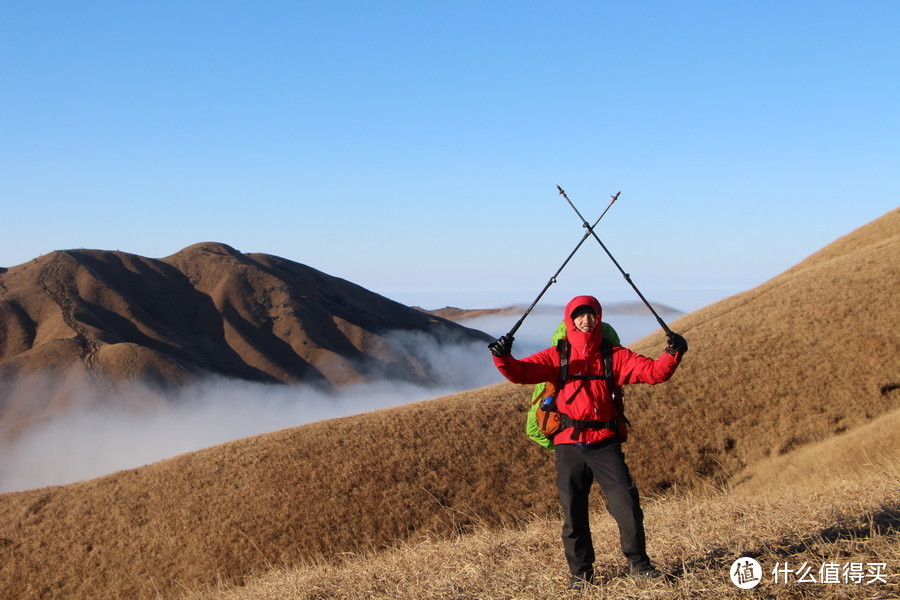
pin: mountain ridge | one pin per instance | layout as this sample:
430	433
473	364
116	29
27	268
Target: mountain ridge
110	317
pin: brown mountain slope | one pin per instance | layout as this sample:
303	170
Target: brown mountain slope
810	353
795	360
113	316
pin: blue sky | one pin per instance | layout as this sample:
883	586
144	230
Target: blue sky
415	147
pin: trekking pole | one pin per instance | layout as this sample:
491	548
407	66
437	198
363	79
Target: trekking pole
659	320
552	280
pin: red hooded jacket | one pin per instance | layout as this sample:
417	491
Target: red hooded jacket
594	400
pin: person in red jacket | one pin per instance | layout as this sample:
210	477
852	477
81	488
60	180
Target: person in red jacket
587	448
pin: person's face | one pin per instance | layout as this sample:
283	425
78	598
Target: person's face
585	322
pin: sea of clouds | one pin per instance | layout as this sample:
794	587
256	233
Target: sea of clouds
128	432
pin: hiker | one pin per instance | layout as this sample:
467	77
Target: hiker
587	447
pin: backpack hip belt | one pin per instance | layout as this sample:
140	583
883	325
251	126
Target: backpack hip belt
579	425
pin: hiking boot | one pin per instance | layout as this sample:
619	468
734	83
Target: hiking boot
581	580
649	572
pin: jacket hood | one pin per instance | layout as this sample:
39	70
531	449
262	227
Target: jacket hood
575	336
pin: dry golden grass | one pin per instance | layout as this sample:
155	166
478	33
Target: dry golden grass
810	506
806	355
785	373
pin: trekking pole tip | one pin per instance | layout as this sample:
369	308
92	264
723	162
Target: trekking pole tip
561	191
616	196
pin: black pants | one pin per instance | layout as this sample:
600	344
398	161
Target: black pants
576	469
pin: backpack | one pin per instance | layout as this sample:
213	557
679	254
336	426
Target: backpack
543	391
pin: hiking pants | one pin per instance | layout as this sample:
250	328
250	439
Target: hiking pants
576	469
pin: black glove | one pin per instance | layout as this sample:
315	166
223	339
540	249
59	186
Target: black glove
677	344
501	347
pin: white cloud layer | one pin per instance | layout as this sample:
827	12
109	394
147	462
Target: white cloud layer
128	431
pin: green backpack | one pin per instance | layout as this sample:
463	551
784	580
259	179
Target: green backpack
531	425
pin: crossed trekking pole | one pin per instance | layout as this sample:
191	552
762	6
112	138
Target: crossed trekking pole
589	232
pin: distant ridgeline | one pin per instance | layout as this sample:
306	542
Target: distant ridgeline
613	308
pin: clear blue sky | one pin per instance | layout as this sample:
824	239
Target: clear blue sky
414	147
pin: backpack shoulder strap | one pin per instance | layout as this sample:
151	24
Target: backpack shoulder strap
562	346
606	348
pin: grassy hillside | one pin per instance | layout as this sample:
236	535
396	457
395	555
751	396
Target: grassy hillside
816	505
805	359
809	354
